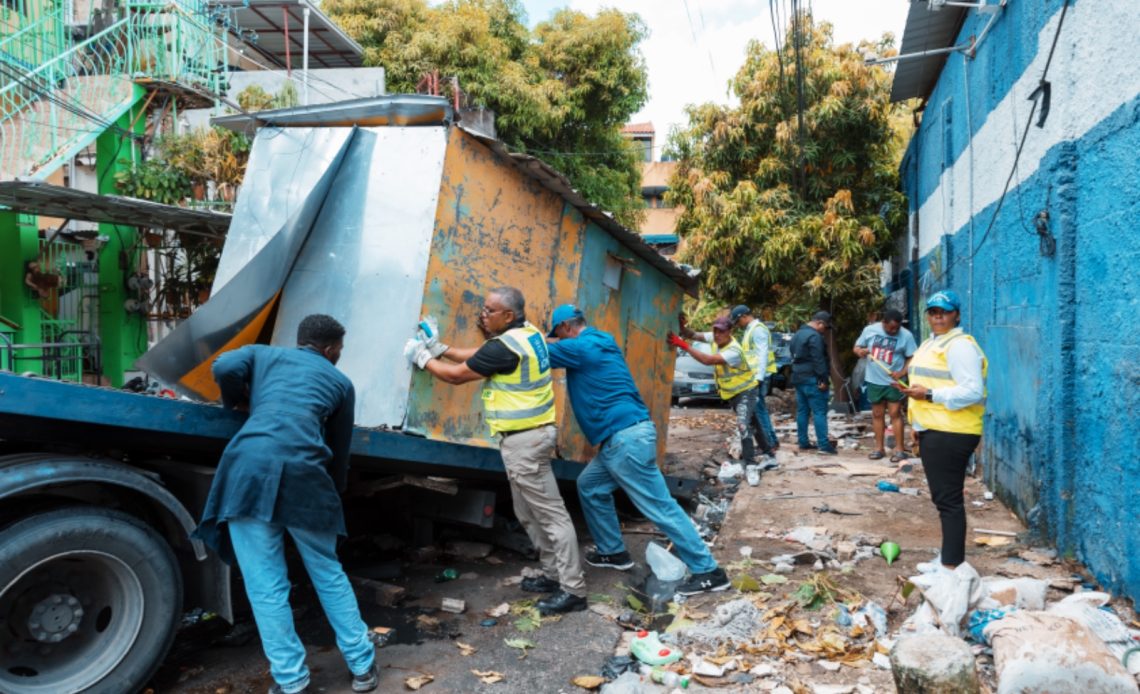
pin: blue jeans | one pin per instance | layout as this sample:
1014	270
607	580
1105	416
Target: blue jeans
260	551
811	400
763	421
628	460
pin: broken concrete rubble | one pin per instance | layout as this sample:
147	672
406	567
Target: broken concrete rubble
933	664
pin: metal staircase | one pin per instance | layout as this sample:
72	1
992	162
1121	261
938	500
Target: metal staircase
59	91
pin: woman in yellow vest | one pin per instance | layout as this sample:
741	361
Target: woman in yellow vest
947	399
735	379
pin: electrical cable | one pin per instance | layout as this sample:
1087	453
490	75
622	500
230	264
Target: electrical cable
1017	154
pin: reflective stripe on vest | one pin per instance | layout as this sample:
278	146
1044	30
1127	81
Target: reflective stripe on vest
930	368
524	398
733	380
749	344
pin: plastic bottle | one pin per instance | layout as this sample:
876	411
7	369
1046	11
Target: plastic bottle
669	678
446	575
885	486
664	565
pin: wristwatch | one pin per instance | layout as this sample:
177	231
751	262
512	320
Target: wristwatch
930	396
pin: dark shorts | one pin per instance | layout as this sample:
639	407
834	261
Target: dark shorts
877	394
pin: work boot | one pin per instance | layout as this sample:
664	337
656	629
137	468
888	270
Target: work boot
619	560
709	582
539	584
561	603
366	682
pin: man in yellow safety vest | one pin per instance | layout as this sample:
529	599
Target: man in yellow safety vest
758	351
518	404
735	379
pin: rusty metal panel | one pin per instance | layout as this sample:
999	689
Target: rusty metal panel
494	226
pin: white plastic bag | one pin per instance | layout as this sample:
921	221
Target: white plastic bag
950	595
664	565
1085	608
1022	593
1042	653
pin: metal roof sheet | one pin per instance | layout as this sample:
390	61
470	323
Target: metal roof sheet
925	30
36	197
329	46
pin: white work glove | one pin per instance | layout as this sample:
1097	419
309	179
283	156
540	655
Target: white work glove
428	333
417	353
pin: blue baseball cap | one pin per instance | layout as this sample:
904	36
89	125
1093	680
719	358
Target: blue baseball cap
947	300
562	314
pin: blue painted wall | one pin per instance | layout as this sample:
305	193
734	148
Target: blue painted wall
1062	436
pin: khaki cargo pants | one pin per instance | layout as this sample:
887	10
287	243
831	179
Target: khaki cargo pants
539	505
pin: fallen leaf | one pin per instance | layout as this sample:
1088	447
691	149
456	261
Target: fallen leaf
416	681
773	579
588	681
465	649
521	644
803	627
993	541
493	560
488	676
745	584
500	610
635	603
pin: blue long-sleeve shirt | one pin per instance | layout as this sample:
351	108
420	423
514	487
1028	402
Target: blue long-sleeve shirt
602	392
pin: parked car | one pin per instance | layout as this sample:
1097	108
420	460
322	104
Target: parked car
694	380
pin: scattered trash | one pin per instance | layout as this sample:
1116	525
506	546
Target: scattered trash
647	648
729	471
707	668
890	551
824	508
910	491
488	676
379	636
447	575
588	681
664	564
488	622
736	621
1002	533
1035	651
468	550
746	551
988	495
616	665
885	486
453	605
415	682
876	615
500	610
752	475
521	644
828	665
1086	608
774	579
669	678
627	683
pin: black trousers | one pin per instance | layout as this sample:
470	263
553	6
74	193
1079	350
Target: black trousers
944	458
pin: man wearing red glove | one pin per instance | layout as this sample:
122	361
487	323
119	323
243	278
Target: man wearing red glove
735	379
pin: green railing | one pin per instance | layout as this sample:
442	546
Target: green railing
57	94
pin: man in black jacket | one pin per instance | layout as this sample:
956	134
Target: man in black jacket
811	368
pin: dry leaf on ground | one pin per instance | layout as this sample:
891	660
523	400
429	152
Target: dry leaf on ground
488	676
588	681
416	681
465	649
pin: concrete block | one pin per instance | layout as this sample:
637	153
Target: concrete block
933	664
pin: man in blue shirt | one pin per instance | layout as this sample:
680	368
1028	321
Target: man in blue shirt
888	347
613	417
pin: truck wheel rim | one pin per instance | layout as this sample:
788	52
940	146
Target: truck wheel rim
70	619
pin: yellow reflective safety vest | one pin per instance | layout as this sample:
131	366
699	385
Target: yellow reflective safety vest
733	380
748	342
930	368
524	398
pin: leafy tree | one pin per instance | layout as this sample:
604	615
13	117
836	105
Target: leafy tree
562	91
789	224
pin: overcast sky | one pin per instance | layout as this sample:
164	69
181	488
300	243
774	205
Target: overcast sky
692	62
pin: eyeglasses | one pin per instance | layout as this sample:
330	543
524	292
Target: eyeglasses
487	310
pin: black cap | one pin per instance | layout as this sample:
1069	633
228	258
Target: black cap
739	311
823	317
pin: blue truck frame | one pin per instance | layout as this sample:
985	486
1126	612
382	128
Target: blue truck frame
102	482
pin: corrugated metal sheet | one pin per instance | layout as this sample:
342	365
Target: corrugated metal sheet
925	30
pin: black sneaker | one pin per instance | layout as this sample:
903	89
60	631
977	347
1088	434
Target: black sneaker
710	582
620	561
366	682
827	451
561	603
276	689
539	584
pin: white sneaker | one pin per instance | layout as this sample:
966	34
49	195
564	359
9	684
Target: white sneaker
752	474
768	462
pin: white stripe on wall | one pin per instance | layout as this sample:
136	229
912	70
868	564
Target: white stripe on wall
1094	72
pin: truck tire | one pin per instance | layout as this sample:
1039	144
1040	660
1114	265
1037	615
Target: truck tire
90	600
